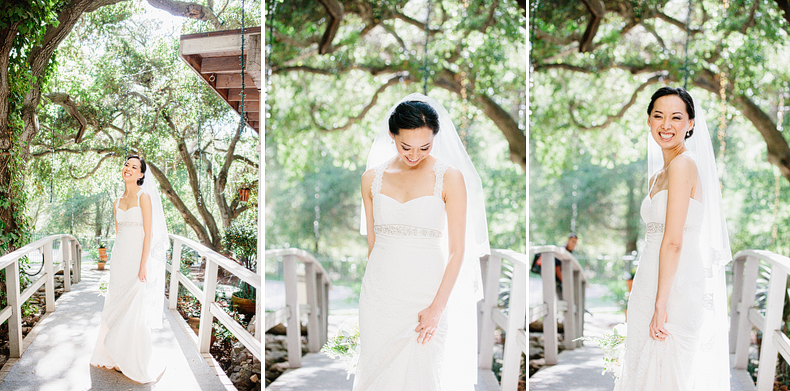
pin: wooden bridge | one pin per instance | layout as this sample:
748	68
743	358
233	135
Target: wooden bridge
56	352
316	371
579	367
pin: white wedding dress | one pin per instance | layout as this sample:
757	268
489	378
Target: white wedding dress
403	274
124	335
668	365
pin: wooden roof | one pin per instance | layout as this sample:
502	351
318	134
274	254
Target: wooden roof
214	56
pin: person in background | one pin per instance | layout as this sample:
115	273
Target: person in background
536	262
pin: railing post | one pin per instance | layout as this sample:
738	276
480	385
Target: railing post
77	261
15	321
550	299
568	294
324	311
773	321
744	325
49	274
206	318
737	293
516	320
312	303
293	331
175	264
490	296
65	255
578	302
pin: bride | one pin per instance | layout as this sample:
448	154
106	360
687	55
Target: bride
135	296
425	222
677	310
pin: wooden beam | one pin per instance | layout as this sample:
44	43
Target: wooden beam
231	64
232	81
252	94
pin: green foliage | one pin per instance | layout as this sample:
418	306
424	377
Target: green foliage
574	163
242	240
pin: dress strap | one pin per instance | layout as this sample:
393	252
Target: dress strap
439	169
375	187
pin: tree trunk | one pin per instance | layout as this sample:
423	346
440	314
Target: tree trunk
632	216
516	139
186	214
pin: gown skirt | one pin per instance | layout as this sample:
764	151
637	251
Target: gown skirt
403	274
124	335
668	365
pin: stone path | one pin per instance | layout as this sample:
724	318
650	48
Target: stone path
58	357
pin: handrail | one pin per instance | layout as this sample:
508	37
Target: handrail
514	322
209	309
71	264
317	288
574	284
744	314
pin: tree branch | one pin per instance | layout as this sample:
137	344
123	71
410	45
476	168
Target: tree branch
351	121
188	10
64	100
90	173
676	22
597	10
784	5
335	10
611	118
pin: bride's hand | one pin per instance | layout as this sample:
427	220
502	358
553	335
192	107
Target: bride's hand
429	322
657	330
141	274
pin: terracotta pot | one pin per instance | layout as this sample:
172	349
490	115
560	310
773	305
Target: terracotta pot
103	252
101	265
244	306
629	284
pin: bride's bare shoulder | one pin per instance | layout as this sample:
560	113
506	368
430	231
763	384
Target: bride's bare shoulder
683	166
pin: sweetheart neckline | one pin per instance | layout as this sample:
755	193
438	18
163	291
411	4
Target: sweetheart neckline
119	208
650	199
413	199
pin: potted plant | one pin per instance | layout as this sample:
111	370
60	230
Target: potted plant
242	240
102	255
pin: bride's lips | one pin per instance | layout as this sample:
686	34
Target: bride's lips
666	136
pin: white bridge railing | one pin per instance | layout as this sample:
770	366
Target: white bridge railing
744	314
572	304
70	255
513	323
209	309
317	287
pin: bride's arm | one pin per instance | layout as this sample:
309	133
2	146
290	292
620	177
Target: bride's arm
682	176
455	205
115	214
145	207
367	200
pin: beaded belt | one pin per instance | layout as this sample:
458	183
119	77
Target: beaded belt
129	224
406	230
657	228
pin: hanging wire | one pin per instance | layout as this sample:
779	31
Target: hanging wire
427	40
688	35
52	170
243	68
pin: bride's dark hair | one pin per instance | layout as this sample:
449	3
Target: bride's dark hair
412	115
142	168
682	94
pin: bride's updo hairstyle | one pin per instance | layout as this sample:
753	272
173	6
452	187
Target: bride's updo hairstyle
412	115
682	94
142	168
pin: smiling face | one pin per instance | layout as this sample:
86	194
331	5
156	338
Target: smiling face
131	170
669	121
413	145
